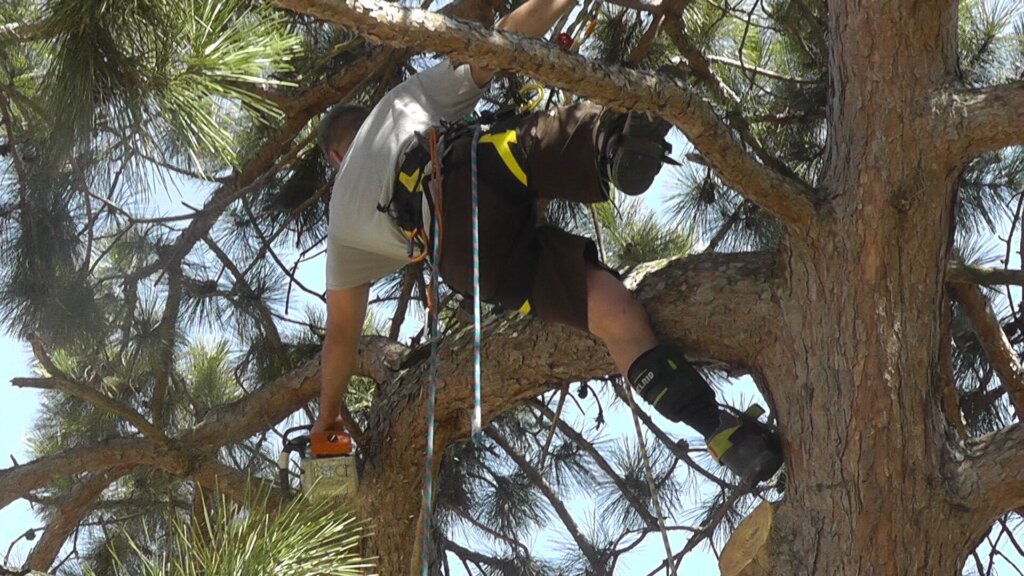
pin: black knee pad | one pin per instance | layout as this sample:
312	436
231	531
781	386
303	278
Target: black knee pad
665	379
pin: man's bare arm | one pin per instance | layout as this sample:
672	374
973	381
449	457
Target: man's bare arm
346	311
533	18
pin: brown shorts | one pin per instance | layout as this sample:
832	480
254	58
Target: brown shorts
545	155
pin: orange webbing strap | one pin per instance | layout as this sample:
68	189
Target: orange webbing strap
436	192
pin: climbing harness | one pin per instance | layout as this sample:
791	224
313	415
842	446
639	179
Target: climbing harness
406	204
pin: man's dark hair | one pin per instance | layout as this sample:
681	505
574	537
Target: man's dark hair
339	125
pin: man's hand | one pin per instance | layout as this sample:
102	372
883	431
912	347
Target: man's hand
533	18
328	425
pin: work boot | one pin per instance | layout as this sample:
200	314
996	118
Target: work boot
749	448
663	377
634	155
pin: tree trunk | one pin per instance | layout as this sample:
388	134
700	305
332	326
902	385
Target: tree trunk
856	379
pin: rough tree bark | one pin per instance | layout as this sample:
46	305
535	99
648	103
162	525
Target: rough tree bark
849	333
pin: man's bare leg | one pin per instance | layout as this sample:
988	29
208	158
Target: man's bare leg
614	316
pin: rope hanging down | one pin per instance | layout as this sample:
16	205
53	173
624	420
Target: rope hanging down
670	567
477	412
433	302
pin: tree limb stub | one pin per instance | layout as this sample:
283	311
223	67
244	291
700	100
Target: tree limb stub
966	274
990	476
984	119
788	198
993	340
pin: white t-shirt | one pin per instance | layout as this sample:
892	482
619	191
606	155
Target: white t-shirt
363	243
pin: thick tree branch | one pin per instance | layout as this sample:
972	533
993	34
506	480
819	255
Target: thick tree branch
167	332
981	120
1000	353
686	300
785	196
193	453
17	481
989	478
65	519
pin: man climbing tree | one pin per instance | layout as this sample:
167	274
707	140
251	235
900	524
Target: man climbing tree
379	221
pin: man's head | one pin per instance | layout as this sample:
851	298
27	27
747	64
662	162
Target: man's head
337	129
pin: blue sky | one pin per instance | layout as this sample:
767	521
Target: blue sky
17	410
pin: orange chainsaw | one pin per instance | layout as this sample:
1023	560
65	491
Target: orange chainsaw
327	466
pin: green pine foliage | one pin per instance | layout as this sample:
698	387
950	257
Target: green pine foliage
303	539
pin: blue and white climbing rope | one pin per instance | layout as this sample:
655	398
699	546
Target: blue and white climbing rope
433	301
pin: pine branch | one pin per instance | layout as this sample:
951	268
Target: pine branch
7	115
649	520
1000	353
66	518
752	69
58	380
378	359
700	65
22	479
680	452
784	195
237	485
465	554
167	332
194	453
597	565
967	274
266	319
22	31
263	165
472	521
981	120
